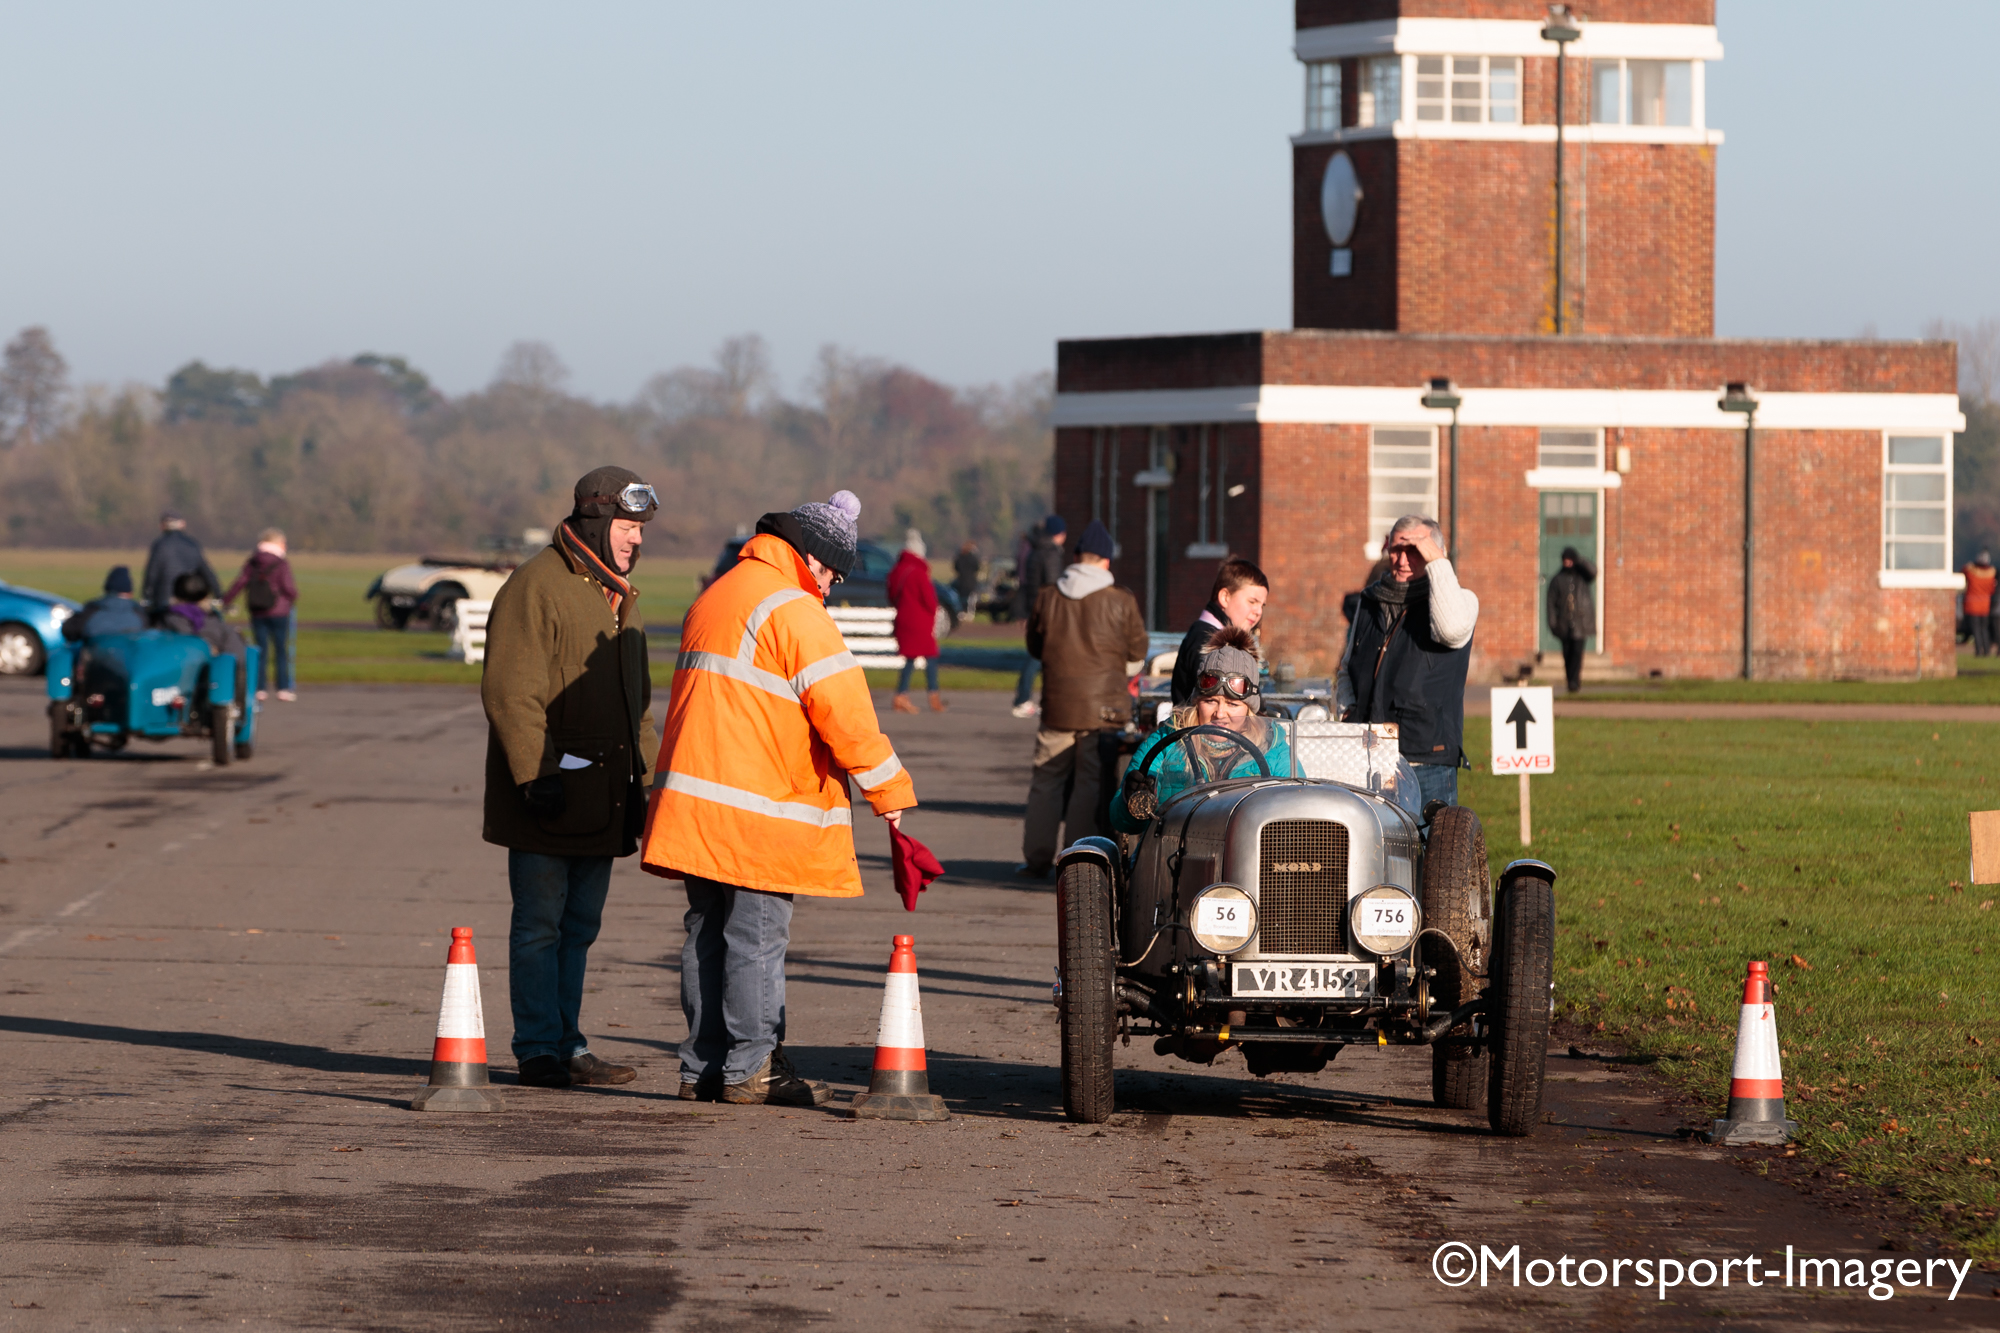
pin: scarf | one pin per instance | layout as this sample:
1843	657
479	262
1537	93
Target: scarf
1391	596
616	590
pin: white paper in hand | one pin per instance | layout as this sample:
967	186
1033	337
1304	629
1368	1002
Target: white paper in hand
571	761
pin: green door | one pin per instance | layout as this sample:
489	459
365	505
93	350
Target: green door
1569	518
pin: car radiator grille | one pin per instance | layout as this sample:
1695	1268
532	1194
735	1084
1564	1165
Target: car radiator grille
1302	888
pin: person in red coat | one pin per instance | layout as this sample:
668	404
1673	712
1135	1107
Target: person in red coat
1980	579
915	599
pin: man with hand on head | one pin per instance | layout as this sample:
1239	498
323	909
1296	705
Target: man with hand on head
769	717
1407	652
570	729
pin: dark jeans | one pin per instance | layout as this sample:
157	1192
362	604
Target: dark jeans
910	665
1024	689
1436	782
558	907
732	979
1573	663
1982	635
275	638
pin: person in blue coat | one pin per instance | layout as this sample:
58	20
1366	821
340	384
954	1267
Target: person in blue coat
113	613
1226	695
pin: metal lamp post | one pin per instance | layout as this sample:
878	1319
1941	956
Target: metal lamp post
1739	397
1441	395
1561	29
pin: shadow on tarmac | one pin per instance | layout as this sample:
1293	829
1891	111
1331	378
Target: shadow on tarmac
244	1048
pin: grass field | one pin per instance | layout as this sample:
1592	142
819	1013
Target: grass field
1838	853
1977	682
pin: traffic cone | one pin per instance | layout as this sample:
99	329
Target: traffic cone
900	1088
1757	1084
458	1057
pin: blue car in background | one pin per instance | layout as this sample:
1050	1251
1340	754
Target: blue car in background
30	627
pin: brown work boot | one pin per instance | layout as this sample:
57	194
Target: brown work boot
706	1089
901	703
937	702
587	1069
777	1084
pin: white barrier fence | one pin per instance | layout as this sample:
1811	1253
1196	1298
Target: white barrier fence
870	633
468	637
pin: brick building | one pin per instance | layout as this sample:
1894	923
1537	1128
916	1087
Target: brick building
1425	250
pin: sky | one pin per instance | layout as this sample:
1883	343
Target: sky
949	186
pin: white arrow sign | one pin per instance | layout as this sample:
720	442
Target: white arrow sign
1524	730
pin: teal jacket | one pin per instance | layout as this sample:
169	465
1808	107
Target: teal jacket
1173	774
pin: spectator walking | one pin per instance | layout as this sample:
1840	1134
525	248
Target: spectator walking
1407	652
965	577
915	598
173	554
1572	612
1090	638
768	718
1039	567
113	613
570	732
1237	599
271	596
1979	581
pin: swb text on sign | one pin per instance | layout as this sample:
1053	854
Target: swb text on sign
1524	739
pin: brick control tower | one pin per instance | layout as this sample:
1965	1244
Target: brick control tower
1424	182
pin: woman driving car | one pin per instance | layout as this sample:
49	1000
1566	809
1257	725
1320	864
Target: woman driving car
1227	696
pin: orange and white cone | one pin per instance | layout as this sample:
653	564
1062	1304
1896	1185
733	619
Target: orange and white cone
458	1056
900	1087
1757	1084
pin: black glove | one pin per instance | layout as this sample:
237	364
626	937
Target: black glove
545	797
1141	796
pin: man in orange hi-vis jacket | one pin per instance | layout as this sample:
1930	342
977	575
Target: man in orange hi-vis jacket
768	718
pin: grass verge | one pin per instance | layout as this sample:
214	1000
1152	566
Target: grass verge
1837	852
1977	682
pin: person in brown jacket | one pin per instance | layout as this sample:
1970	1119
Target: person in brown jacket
1090	638
569	752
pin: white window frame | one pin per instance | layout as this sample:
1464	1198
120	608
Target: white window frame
1369	83
1891	470
1452	76
1323	86
1372	548
1696	93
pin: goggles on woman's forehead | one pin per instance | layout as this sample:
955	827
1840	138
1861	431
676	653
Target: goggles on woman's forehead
1228	684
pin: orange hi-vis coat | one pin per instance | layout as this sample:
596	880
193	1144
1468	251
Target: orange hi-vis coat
768	715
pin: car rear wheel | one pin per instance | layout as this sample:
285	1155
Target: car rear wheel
1458	902
59	742
221	727
1523	973
387	616
21	652
1089	990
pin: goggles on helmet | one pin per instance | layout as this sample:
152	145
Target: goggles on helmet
638	498
1228	684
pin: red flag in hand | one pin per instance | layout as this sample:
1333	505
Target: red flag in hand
914	864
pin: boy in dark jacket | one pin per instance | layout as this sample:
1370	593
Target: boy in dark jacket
1237	599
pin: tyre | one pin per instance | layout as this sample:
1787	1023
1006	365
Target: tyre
1089	984
244	749
59	743
387	616
1458	902
1523	971
221	724
21	651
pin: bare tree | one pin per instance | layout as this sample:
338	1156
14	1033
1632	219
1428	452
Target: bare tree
1978	354
532	365
840	381
33	379
739	386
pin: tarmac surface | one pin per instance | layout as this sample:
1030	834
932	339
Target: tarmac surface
220	988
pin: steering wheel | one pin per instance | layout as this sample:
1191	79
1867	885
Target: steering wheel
1140	795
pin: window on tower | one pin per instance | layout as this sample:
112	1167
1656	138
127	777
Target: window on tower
1469	89
1916	502
1381	91
1642	92
1322	95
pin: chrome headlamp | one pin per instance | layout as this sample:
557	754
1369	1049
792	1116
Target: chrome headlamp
1222	919
1385	919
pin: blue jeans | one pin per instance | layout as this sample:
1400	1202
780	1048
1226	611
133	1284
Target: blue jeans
910	665
1024	689
558	907
1437	782
732	979
276	636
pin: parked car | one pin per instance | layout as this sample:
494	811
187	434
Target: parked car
30	628
867	584
1295	914
426	594
154	685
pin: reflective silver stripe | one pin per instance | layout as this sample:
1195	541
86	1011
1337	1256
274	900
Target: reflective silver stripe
881	773
703	789
764	611
820	670
736	669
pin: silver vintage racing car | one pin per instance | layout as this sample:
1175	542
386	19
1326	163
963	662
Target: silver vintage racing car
1292	913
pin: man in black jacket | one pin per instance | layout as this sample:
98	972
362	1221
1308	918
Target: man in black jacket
173	554
1407	652
1044	563
1573	612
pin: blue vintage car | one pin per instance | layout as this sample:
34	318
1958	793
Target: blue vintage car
156	686
30	628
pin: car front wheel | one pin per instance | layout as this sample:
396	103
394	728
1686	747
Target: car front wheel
1524	939
1458	904
1089	990
21	652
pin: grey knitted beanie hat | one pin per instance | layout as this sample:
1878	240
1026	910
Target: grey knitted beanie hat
829	531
